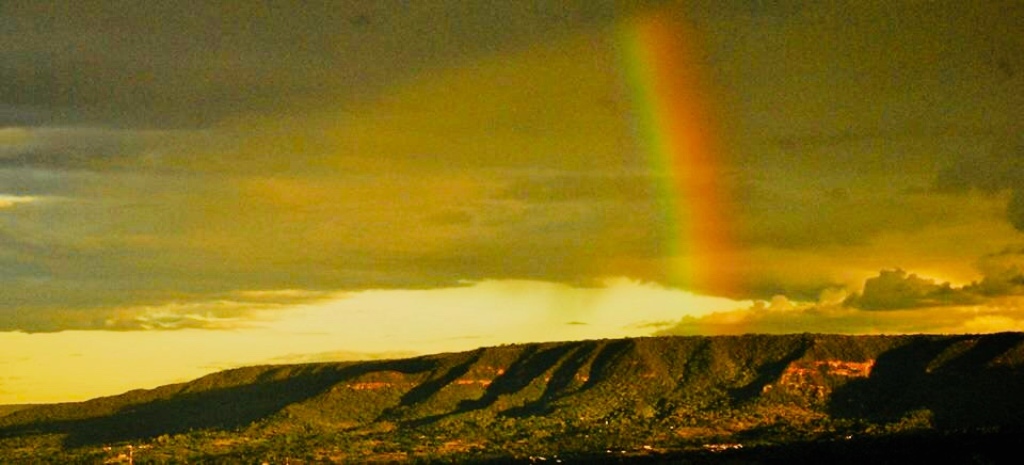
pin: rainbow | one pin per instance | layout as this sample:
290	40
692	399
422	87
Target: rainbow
674	121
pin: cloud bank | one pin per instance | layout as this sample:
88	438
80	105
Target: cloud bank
892	302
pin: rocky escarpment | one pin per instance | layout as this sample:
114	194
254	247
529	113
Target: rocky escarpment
666	391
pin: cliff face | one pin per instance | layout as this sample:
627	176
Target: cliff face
677	388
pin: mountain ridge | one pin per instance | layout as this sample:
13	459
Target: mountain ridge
665	393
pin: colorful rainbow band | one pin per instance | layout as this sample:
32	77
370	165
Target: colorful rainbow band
678	136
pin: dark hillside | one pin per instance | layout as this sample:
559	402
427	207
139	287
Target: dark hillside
11	408
641	397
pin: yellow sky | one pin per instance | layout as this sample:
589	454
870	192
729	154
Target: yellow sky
193	188
78	365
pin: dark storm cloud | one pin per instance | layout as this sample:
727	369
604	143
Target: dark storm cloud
1000	170
1003	273
37	182
186	63
1015	209
578	242
354	145
132	242
93	149
913	84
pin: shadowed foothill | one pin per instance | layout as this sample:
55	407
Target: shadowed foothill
702	399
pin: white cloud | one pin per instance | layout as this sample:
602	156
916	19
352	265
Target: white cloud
8	200
239	309
783	317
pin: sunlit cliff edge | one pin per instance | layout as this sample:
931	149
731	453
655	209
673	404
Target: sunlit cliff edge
632	398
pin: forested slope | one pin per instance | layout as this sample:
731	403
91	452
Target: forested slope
637	397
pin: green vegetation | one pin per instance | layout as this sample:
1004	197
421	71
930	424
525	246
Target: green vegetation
645	398
11	408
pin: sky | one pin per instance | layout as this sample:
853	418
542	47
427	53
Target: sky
191	187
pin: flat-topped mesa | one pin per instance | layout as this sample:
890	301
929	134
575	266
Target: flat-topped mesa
657	382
